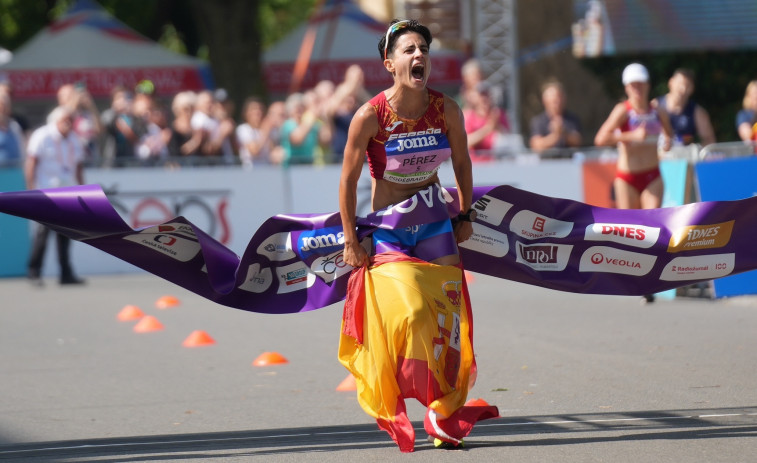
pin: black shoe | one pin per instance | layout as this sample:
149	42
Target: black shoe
648	299
71	280
36	281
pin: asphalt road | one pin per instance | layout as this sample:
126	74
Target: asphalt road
577	378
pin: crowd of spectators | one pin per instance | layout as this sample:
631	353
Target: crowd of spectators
310	127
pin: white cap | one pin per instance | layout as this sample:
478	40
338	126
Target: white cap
635	72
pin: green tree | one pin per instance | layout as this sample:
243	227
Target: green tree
230	34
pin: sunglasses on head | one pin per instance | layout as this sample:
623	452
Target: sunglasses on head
392	29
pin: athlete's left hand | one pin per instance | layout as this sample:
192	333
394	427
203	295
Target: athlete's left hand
463	230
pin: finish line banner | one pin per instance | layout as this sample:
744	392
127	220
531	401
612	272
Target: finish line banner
293	263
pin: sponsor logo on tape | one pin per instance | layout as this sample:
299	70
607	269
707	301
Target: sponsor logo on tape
491	210
277	247
697	237
543	257
321	241
610	260
487	241
294	277
176	246
533	226
173	228
331	267
257	280
639	236
699	267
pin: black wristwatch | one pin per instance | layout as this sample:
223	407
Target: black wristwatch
469	216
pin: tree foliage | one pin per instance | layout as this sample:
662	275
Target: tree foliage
230	34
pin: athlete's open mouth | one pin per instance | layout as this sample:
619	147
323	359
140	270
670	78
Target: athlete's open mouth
418	71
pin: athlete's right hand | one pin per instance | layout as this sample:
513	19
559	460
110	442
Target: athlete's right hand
355	255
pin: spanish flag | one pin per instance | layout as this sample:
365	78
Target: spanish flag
407	333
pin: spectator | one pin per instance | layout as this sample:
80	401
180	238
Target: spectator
254	134
206	121
144	102
118	122
184	141
747	117
349	95
275	118
21	120
556	127
472	75
223	112
302	132
11	135
87	125
55	159
153	145
690	122
485	124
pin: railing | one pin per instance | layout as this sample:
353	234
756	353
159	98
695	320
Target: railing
727	150
513	150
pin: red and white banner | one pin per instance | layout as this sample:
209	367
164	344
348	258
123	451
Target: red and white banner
100	82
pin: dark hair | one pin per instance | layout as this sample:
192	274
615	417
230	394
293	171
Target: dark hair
253	100
413	26
686	72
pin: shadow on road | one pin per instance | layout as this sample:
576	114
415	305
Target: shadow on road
679	425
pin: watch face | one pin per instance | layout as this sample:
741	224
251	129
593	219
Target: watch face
473	215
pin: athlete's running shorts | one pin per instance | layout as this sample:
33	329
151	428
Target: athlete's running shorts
428	241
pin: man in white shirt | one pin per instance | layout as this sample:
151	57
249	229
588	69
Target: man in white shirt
54	159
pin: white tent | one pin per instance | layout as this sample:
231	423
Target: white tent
343	35
90	46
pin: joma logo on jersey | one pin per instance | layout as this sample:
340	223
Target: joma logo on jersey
396	136
417	142
715	235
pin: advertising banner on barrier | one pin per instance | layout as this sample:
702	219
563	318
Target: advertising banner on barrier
293	262
14	231
730	179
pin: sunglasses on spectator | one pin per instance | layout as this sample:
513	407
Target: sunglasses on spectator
392	29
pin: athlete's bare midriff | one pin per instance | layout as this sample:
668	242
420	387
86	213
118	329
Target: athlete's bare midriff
386	193
637	157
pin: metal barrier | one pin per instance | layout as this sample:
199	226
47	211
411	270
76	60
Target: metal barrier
727	150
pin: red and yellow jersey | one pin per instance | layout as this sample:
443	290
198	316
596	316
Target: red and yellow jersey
408	150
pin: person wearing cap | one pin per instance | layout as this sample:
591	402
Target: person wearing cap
636	126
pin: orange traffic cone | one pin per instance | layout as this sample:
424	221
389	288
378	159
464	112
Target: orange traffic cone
130	312
166	302
347	384
198	338
147	324
477	403
269	358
